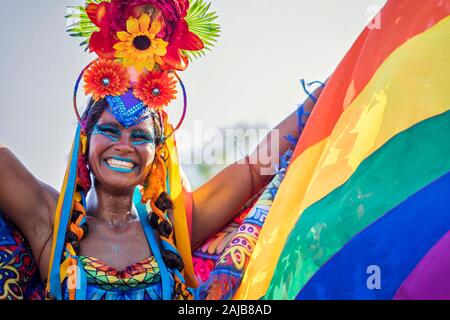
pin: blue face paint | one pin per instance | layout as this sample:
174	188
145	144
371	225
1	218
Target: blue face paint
107	130
141	137
138	136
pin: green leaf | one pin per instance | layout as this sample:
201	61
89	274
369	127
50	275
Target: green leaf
80	25
202	23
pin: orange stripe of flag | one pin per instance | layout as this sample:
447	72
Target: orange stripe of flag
399	21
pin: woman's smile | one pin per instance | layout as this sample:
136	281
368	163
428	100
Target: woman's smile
120	164
119	156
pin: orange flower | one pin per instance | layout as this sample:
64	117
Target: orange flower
106	78
156	89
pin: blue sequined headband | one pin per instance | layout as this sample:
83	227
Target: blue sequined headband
127	109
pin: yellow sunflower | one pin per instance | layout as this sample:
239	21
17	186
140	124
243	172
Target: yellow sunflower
139	46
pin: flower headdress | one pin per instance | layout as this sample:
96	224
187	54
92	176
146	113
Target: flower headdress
140	44
147	39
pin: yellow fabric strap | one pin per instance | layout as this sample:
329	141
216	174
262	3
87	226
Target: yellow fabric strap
181	227
56	226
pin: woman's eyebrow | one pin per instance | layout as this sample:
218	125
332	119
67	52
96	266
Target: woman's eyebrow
144	131
112	124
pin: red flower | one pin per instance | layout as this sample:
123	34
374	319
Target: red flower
111	17
181	39
106	78
84	175
102	42
156	89
202	268
171	11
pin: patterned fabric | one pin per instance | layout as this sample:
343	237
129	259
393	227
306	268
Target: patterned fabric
206	256
221	261
136	276
19	276
20	279
140	281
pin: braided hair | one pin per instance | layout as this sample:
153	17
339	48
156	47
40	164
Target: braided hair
153	192
78	228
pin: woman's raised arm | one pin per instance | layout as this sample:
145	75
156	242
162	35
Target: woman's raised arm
217	201
29	203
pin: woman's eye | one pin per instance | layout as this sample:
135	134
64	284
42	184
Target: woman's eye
108	129
110	132
142	138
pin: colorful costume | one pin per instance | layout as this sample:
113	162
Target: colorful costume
227	265
141	45
19	276
361	212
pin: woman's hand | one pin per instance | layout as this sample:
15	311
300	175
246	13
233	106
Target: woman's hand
219	200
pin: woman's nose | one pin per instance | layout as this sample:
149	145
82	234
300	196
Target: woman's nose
124	145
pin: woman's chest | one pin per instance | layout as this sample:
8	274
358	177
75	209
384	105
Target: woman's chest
117	247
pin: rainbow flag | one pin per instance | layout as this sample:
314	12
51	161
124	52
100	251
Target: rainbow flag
364	209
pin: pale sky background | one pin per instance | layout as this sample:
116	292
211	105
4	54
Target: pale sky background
251	77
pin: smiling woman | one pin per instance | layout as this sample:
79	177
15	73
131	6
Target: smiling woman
125	222
109	140
368	178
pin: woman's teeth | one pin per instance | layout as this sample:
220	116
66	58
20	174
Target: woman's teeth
120	164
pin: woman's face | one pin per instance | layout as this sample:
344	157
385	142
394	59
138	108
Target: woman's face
120	158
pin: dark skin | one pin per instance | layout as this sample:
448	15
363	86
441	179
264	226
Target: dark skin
112	217
116	235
